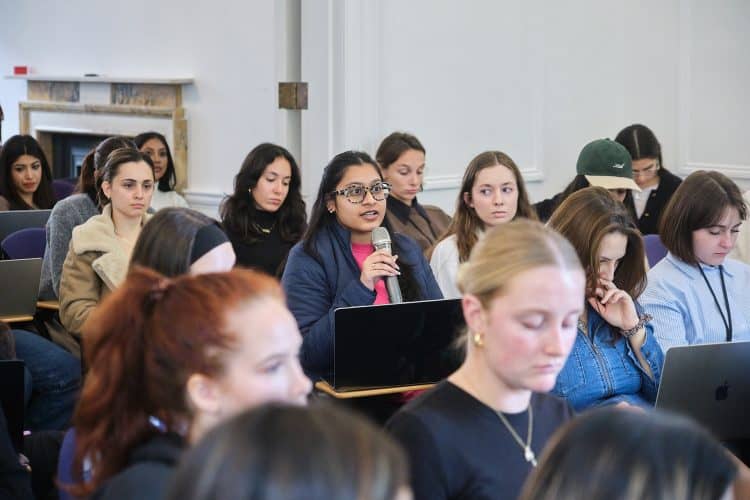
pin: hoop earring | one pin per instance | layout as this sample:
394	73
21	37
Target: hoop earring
478	339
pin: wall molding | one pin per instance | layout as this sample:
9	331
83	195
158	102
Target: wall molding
207	202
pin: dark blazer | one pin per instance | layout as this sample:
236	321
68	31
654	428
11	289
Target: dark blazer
657	202
316	287
148	473
422	223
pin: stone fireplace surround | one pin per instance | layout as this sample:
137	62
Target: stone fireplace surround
106	106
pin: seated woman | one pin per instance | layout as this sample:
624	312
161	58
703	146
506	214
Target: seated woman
477	434
183	241
265	215
603	163
336	265
100	249
492	193
615	358
633	455
155	146
401	158
25	176
71	212
168	359
320	453
656	182
696	294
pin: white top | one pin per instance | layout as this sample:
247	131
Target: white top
742	247
640	199
162	199
444	264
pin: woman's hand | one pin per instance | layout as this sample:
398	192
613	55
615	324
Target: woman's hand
614	305
378	264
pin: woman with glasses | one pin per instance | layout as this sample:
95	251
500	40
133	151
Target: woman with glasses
335	265
656	182
265	215
492	193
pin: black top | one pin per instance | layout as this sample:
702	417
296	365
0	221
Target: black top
15	481
545	208
460	449
267	252
657	202
149	470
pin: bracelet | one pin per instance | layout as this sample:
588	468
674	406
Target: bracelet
642	321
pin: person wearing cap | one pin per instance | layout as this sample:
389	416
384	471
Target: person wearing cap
603	163
656	182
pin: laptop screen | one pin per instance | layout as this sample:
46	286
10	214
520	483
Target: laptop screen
396	344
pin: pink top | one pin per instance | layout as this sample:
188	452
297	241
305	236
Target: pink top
361	251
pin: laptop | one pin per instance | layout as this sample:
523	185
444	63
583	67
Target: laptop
711	384
20	288
13	220
396	344
12	399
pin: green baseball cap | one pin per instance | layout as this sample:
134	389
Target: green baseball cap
606	163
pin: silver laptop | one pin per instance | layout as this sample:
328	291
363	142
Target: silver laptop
14	220
711	384
20	286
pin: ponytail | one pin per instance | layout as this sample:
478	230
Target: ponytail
86	183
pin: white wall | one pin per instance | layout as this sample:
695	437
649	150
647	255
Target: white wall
535	78
232	49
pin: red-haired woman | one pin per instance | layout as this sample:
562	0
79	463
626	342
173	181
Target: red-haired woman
170	358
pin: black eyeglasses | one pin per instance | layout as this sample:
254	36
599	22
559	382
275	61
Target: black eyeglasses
356	193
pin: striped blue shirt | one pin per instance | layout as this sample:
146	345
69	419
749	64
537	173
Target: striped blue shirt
683	308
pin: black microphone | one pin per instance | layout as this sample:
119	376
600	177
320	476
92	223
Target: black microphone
381	240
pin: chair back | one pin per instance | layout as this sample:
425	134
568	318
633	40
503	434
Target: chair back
655	250
26	243
62	188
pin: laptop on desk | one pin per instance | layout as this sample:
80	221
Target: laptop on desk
711	384
14	220
19	287
391	345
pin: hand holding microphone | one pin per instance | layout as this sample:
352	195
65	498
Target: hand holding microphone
383	265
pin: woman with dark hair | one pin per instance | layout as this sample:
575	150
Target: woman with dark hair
100	248
182	241
71	212
336	265
155	146
25	176
627	455
170	358
696	294
656	182
615	358
285	452
478	434
401	158
492	193
603	163
265	215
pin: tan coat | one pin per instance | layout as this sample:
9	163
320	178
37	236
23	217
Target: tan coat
95	265
418	229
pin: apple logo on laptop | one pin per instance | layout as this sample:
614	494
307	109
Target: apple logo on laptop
722	392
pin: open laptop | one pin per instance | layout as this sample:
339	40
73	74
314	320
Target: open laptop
12	399
396	344
20	279
13	220
711	384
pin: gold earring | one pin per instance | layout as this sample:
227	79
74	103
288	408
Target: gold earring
478	339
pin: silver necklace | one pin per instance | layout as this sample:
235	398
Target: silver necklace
528	453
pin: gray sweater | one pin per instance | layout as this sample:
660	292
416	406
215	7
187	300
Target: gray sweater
66	214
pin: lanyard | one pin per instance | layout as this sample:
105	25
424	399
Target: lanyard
727	324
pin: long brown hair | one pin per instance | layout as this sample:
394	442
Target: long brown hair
466	223
585	218
141	344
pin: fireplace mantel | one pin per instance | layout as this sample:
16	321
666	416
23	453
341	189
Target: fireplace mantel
102	79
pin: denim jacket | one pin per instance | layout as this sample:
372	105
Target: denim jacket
600	372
